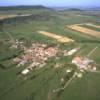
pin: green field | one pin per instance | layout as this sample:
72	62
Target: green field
38	84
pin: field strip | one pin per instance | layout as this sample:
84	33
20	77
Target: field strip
12	16
6	16
59	38
98	72
67	84
90	24
85	30
10	36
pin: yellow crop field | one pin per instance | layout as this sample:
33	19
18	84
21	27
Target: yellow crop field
6	16
59	38
11	16
93	25
84	30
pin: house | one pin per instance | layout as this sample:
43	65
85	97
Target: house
71	52
25	71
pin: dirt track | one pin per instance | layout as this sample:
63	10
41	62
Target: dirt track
84	30
59	38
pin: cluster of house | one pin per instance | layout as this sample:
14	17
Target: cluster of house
17	44
84	63
37	55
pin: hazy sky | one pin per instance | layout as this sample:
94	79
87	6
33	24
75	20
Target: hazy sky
87	3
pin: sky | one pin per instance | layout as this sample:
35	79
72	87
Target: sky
52	3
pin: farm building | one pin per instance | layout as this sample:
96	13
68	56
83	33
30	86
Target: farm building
84	63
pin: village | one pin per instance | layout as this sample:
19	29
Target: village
38	53
49	52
